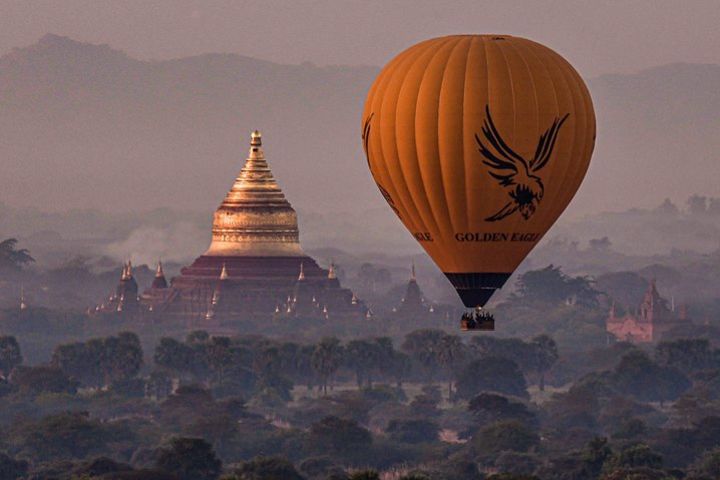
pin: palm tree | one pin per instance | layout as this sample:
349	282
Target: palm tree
359	356
451	351
423	345
12	258
326	359
545	354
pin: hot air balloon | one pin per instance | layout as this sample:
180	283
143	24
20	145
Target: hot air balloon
478	143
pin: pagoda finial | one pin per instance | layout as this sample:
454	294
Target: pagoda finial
302	271
124	274
331	271
256	138
223	272
159	270
23	305
129	269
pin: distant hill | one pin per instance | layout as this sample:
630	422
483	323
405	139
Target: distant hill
85	126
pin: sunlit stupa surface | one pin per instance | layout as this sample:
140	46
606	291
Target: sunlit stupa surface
255	219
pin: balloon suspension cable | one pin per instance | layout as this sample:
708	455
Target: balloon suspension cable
477	319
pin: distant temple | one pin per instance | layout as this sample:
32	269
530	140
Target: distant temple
653	318
125	299
254	268
413	304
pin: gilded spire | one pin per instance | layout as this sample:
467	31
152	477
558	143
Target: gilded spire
124	274
256	139
302	272
129	269
159	280
255	219
223	273
159	270
331	271
23	305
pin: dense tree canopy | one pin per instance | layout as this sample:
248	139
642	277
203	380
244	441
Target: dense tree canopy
491	374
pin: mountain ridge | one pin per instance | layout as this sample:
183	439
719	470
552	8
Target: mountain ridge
86	125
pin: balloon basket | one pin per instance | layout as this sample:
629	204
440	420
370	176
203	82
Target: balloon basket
477	320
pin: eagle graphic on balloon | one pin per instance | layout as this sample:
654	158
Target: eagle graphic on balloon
525	188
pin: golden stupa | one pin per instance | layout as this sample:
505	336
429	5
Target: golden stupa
254	266
255	219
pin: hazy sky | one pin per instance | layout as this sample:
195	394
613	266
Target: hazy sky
596	36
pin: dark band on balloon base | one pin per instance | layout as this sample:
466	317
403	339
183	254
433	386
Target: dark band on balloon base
475	289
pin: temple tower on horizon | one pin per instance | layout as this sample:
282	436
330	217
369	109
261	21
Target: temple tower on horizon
253	266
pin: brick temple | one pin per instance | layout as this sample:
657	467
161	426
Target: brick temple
653	318
254	268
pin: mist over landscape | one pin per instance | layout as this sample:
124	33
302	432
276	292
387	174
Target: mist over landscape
154	326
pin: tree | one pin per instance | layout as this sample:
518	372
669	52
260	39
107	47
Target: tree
551	285
667	207
634	456
424	346
122	357
359	357
185	404
384	353
517	464
544	356
508	435
100	466
321	468
491	374
175	356
490	408
197	337
10	355
12	258
595	455
639	376
600	244
333	434
267	468
414	430
399	367
708	465
220	356
101	361
697	204
80	361
68	436
366	357
37	380
11	468
686	355
189	459
326	359
520	352
451	352
548	284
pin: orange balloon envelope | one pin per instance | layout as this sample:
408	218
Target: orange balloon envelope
478	143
